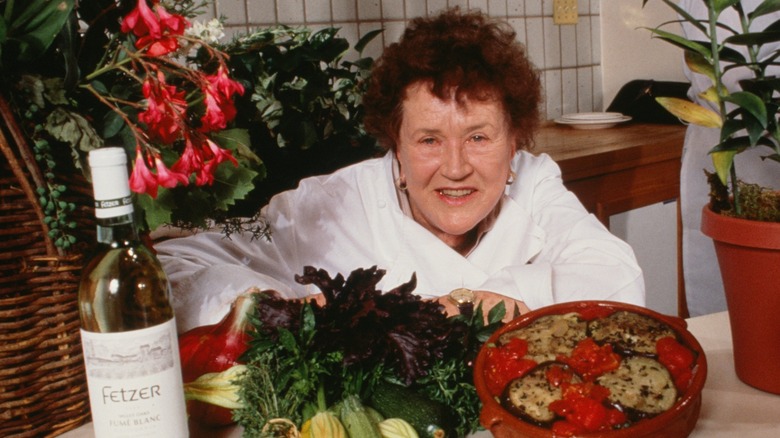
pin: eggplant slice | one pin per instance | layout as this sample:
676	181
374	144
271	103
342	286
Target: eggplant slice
640	385
529	397
629	332
550	336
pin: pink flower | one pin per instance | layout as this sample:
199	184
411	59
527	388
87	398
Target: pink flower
142	21
191	159
166	107
223	85
142	180
219	154
218	97
156	30
202	156
174	23
217	113
157	46
168	178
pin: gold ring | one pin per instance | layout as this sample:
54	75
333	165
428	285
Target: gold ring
462	297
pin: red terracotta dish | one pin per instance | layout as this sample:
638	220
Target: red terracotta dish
676	422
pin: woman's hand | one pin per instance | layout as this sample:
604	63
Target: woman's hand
488	300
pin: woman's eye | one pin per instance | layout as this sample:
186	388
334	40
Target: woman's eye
478	138
428	140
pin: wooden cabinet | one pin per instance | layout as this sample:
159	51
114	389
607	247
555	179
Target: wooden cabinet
617	169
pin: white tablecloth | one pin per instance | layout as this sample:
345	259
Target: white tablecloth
730	408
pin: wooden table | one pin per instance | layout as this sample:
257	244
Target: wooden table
617	169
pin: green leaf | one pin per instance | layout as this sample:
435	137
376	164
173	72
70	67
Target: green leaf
156	212
367	38
497	313
683	13
36	26
683	42
75	130
698	64
751	103
774	157
3	31
721	5
112	124
54	91
287	340
239	142
34	89
309	132
233	183
691	112
753	38
710	95
729	55
722	161
766	7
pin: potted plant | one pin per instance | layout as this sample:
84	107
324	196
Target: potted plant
742	219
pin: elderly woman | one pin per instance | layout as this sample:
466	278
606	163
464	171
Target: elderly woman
457	199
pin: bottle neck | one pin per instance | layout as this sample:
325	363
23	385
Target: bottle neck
117	231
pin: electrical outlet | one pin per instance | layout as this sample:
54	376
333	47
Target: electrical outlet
565	11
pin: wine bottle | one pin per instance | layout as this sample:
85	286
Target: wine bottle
128	330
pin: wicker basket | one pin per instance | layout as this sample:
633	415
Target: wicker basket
43	389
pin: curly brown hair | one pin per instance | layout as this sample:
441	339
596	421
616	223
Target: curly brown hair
465	52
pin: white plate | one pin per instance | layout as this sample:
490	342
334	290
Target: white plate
592	124
592	116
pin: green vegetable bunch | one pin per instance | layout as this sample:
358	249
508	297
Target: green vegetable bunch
308	356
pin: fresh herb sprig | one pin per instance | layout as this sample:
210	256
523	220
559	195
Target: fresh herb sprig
451	382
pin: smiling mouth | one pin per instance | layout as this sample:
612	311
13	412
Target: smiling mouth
456	193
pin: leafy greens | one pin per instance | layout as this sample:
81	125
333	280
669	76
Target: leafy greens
313	355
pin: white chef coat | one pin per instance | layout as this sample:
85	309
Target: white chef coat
543	248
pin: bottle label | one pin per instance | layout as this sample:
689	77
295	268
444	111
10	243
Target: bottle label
114	203
135	383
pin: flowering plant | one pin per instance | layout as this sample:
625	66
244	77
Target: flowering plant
133	73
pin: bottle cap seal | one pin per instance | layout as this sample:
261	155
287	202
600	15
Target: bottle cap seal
110	182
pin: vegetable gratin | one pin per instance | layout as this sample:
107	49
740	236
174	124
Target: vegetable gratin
589	369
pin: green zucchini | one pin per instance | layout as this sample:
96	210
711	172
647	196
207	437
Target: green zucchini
356	419
430	418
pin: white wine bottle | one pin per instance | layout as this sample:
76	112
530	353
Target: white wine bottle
128	330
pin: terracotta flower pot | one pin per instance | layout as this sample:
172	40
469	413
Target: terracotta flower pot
749	257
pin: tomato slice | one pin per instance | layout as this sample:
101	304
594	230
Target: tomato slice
505	363
590	360
583	409
593	312
678	359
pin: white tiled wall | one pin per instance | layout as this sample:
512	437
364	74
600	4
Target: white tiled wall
567	55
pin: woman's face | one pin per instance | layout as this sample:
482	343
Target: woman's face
455	160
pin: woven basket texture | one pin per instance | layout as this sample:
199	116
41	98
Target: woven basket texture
43	389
